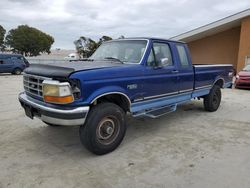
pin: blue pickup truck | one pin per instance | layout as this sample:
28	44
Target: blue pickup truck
138	76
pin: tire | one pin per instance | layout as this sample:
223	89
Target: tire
104	128
17	71
213	99
52	125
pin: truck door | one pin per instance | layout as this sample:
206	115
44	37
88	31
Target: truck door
161	75
185	67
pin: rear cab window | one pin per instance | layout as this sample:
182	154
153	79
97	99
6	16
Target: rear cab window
183	57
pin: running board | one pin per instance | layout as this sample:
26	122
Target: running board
156	112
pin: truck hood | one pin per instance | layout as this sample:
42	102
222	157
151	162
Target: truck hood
64	69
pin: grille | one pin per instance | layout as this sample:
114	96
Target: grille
33	84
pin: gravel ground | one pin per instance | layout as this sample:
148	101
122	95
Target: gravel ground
187	148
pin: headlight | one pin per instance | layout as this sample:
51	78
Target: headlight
56	92
237	76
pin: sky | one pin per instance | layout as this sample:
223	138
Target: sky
67	20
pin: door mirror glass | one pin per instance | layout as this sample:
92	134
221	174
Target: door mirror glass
165	61
160	55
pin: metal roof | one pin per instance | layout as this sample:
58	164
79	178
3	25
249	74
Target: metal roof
214	27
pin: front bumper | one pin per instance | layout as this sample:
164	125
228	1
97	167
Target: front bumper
57	116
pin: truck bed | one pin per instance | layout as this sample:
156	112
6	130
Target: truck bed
206	75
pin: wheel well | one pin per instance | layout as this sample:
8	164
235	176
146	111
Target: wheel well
17	68
220	83
118	99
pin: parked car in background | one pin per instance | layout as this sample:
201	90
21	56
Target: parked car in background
71	56
243	78
12	63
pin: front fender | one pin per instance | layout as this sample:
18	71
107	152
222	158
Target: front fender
105	91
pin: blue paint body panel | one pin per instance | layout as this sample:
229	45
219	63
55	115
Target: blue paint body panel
159	102
152	87
207	75
153	83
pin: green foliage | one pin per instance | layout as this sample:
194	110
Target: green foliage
86	46
103	39
29	41
2	33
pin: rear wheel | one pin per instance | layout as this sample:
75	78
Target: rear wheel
17	71
104	129
213	99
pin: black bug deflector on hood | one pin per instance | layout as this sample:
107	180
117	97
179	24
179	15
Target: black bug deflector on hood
66	68
48	70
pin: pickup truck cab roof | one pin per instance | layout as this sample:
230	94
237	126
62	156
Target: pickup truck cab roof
149	38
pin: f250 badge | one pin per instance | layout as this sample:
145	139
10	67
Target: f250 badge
132	86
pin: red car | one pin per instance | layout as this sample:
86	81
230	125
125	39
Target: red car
243	78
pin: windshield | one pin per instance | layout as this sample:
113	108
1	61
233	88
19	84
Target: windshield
247	68
130	51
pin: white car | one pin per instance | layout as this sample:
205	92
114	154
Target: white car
71	56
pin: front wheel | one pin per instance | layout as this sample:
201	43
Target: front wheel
104	129
213	99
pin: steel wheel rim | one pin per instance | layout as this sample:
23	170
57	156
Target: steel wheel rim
108	130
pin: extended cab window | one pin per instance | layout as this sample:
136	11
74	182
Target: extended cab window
160	55
183	56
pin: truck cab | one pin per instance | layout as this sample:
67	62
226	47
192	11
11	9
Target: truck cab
146	77
168	69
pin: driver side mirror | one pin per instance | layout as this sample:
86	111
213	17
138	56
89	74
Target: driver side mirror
164	61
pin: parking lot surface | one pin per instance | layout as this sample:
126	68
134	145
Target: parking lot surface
187	148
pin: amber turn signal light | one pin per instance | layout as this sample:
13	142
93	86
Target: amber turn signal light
60	100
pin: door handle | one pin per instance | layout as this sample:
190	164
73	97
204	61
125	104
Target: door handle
175	71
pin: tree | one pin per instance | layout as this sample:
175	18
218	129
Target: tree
86	46
2	33
28	41
121	37
103	39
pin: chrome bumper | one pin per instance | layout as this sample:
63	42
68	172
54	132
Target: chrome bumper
58	116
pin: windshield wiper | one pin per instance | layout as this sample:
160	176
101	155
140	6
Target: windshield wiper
113	58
